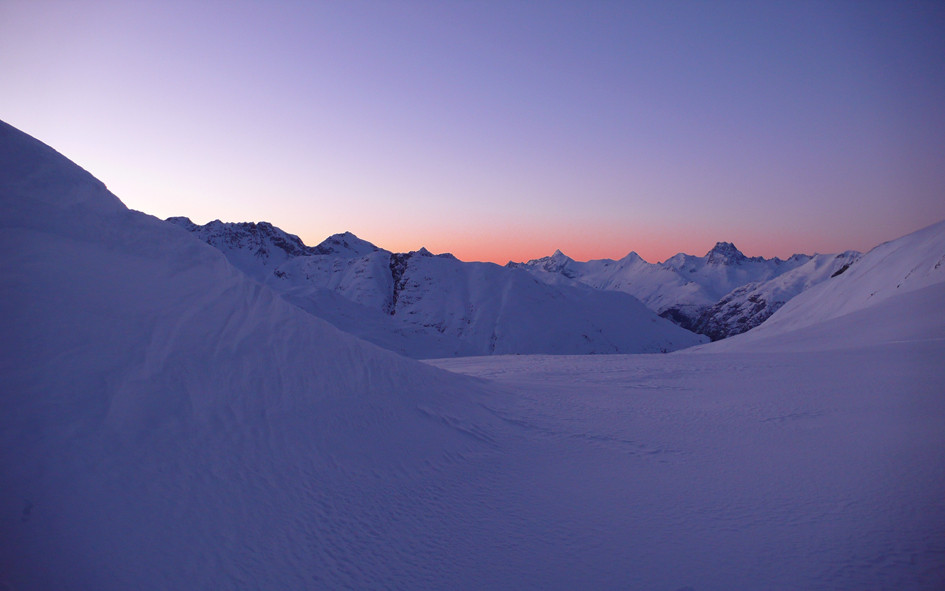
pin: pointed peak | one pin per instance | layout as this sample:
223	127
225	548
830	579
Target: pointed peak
724	253
724	247
559	256
423	252
556	263
631	257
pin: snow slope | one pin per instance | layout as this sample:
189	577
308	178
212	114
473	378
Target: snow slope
680	288
893	289
424	305
756	470
168	423
748	306
807	453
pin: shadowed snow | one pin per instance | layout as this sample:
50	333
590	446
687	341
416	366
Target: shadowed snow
169	423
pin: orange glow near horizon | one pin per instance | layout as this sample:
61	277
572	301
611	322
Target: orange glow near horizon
589	241
605	133
501	246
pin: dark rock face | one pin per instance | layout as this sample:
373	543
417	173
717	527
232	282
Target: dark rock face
398	266
680	317
725	253
729	316
259	237
840	270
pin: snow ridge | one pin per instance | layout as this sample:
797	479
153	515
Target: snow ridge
425	305
169	423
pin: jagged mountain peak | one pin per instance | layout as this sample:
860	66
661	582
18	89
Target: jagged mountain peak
425	253
345	243
184	222
725	253
557	257
556	263
263	237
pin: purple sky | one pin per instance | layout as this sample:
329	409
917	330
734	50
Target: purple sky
500	130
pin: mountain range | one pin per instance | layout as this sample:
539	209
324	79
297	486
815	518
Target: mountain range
720	294
170	421
425	305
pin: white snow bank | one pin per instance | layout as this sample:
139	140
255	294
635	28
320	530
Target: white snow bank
169	423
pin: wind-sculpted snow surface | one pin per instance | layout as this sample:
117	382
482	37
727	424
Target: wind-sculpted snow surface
169	423
776	471
424	305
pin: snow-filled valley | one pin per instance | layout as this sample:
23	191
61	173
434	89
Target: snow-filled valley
169	421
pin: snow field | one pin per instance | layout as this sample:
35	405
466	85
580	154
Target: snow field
732	471
168	422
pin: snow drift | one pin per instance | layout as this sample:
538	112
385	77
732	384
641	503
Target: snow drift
169	423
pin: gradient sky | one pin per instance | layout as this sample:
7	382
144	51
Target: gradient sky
500	130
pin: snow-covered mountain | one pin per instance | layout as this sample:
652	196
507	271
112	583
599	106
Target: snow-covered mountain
425	305
166	422
258	248
748	306
884	287
719	294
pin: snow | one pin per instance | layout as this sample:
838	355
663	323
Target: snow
749	305
897	280
681	288
169	422
424	305
730	471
